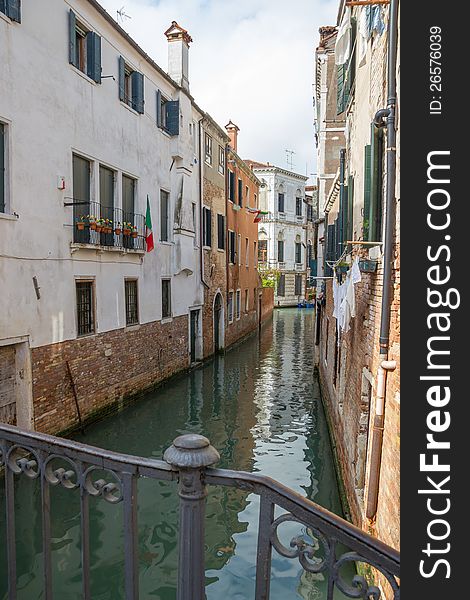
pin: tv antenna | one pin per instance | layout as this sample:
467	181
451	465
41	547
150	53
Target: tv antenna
121	15
289	159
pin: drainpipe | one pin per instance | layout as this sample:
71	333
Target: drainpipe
389	114
201	195
377	437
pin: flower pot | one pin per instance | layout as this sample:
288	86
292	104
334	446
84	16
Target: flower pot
117	231
126	231
93	226
98	229
108	230
80	225
134	234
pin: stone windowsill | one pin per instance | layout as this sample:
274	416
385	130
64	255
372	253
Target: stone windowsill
98	248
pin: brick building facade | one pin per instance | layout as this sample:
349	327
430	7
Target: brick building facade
359	382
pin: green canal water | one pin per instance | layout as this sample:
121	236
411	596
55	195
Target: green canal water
260	407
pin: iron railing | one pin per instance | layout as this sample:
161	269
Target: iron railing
94	472
108	226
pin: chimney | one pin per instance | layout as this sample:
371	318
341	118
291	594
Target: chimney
232	132
178	54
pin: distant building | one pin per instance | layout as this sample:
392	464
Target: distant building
282	240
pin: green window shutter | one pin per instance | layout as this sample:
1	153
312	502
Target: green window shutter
367	181
122	77
13	10
350	218
340	71
93	42
72	39
376	169
137	92
173	117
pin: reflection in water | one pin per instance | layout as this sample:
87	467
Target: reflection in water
259	405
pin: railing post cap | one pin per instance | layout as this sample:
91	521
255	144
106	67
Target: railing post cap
191	451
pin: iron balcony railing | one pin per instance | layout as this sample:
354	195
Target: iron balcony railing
94	472
108	226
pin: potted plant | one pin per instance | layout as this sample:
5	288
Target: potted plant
126	228
134	231
92	221
81	223
108	226
118	229
100	223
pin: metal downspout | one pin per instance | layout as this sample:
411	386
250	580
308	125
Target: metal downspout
390	209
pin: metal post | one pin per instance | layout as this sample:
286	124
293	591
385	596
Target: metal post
191	454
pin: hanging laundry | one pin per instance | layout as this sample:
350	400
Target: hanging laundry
343	39
364	31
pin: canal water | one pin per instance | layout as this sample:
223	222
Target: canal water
259	405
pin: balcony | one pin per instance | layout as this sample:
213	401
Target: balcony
299	267
106	228
326	546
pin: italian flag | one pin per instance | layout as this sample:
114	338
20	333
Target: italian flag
148	228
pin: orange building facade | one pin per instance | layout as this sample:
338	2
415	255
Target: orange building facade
243	282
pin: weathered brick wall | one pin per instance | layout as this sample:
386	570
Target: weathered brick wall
215	267
350	416
107	368
247	323
267	303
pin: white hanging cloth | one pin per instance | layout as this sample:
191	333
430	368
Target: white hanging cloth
343	39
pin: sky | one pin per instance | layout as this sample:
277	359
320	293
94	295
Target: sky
251	61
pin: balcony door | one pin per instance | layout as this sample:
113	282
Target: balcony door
128	204
107	180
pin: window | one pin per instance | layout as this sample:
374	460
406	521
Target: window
255	256
298	252
247	253
247	195
164	216
166	298
221	160
3	168
247	305
206	227
239	249
168	114
81	169
280	202
280	251
231	246
238	302
262	251
281	285
231	186
298	285
309	212
131	86
85	307
84	49
132	312
240	192
346	74
12	9
208	148
255	201
230	307
221	232
373	173
298	207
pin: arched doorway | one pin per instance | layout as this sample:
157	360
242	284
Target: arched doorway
219	331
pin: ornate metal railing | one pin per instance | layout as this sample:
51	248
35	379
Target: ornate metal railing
108	227
113	477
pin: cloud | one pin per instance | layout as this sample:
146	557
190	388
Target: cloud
251	61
